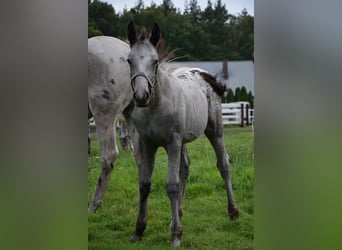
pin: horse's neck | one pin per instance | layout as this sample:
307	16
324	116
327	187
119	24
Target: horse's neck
162	88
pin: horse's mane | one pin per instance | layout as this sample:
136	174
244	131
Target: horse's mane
219	88
163	54
144	34
166	56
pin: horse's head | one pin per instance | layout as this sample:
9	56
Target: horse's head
143	62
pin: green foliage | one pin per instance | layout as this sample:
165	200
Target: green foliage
246	42
211	34
237	96
93	31
102	17
168	8
205	219
191	39
240	95
230	96
195	11
243	94
250	99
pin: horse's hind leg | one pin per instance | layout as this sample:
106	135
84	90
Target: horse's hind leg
174	149
183	176
215	136
109	153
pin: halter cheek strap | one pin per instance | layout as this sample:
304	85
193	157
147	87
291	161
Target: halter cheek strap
151	84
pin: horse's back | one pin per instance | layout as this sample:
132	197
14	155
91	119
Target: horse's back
185	70
190	78
108	73
191	95
192	84
107	44
107	55
203	104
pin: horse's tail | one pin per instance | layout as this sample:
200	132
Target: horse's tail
219	88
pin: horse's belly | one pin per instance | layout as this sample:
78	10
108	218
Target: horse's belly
189	137
196	121
193	131
189	120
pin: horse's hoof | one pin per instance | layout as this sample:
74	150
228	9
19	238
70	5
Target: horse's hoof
175	243
92	208
233	213
135	238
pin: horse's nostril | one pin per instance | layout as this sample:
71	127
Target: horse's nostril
141	99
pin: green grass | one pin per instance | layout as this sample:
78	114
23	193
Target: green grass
205	219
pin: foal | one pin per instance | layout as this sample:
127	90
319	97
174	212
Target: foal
171	110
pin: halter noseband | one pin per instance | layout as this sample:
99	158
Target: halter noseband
150	83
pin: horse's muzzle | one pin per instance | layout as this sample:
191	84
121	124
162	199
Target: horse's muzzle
142	87
141	100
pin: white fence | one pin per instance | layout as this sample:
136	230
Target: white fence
232	113
237	113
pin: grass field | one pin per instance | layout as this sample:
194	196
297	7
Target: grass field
205	219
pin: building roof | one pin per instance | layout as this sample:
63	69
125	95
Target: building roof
240	73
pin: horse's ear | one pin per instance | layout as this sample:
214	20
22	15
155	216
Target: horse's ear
131	35
155	35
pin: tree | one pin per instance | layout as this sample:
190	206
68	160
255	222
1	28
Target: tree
230	96
124	19
237	97
246	35
93	31
139	7
243	94
189	37
208	13
208	35
102	17
250	99
195	11
215	20
168	7
186	7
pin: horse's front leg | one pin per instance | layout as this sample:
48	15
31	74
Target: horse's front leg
173	187
147	154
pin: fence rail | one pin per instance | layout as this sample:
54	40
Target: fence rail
237	113
232	113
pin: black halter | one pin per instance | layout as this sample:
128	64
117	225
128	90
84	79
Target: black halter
151	84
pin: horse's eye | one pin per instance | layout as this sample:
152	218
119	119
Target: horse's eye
129	61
